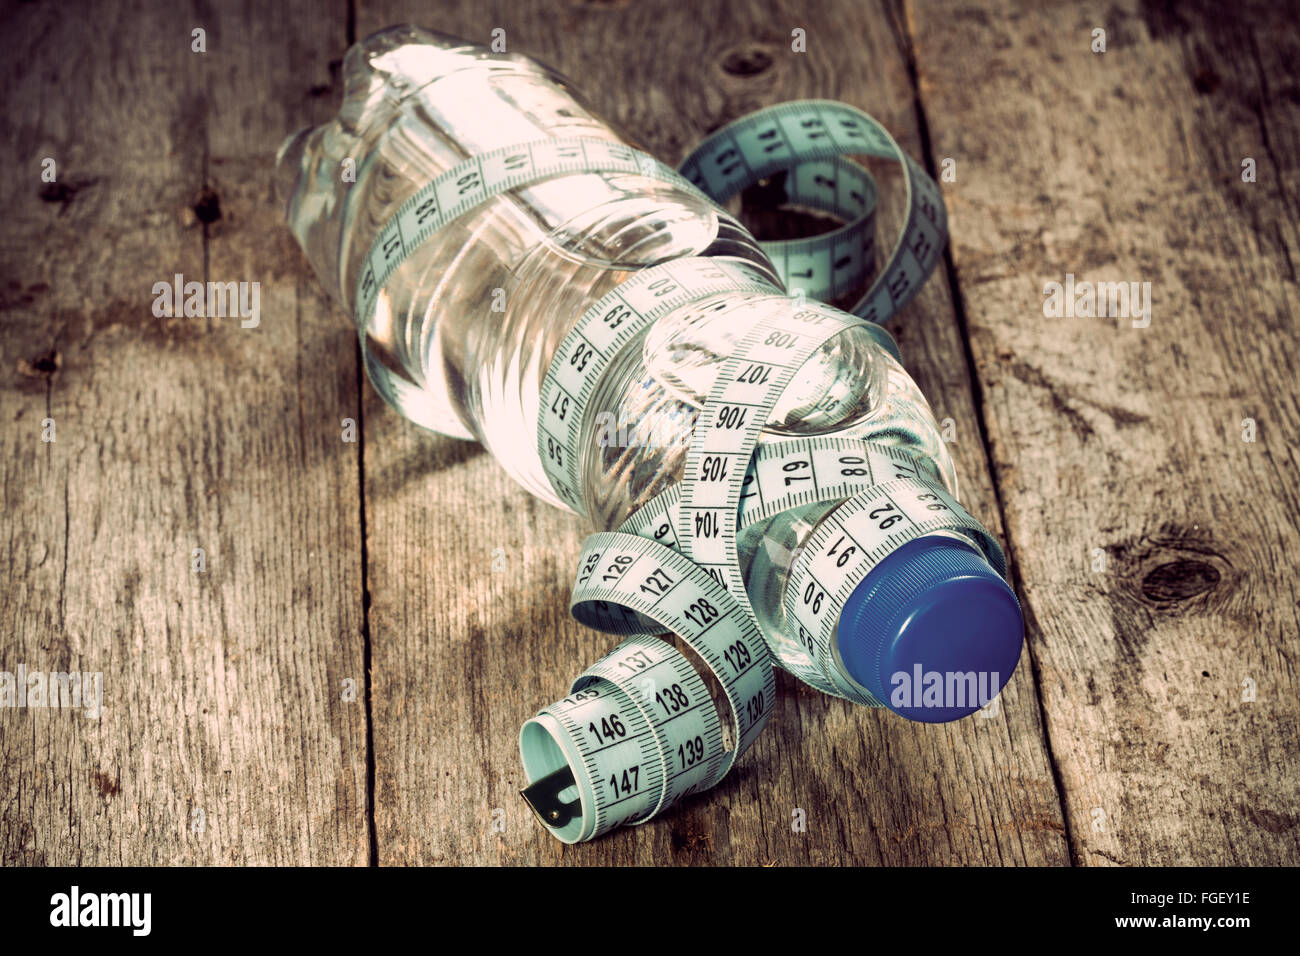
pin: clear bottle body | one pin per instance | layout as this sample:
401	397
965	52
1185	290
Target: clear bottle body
472	319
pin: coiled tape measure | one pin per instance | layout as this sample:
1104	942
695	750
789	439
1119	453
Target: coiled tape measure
641	728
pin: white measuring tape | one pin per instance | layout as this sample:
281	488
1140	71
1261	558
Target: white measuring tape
643	727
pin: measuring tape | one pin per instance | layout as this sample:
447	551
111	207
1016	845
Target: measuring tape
808	138
802	141
647	725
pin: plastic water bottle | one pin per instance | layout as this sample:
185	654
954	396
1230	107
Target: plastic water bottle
465	330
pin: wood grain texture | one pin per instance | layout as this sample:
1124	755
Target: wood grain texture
221	690
462	656
1127	165
1123	737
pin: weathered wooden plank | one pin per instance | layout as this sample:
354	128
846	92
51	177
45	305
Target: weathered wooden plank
1126	165
462	655
221	689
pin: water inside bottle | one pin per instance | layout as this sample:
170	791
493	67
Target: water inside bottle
470	321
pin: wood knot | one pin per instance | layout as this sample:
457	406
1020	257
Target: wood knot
207	205
746	61
1179	580
44	365
690	840
1177	569
57	192
108	787
1205	81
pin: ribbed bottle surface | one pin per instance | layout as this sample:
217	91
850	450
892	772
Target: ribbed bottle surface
474	316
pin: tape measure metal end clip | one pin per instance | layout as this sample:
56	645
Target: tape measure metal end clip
543	796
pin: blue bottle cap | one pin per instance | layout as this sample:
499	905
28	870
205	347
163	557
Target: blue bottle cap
932	631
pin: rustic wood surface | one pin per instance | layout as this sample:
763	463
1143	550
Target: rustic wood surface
230	732
1130	440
